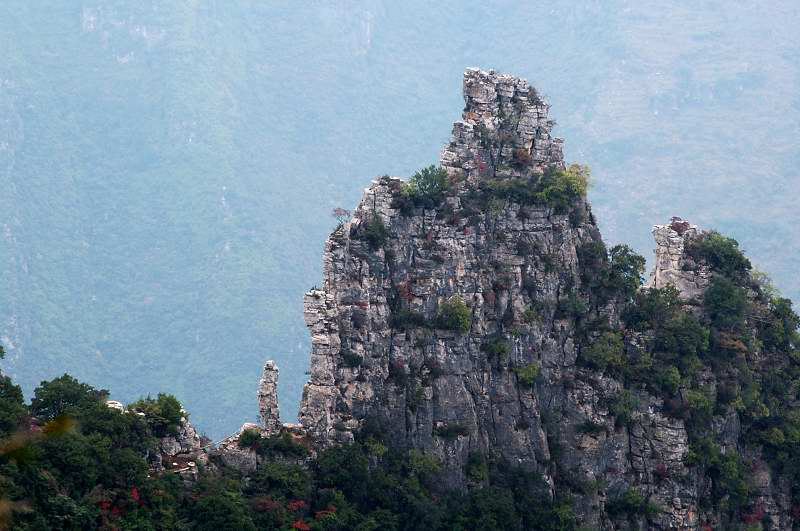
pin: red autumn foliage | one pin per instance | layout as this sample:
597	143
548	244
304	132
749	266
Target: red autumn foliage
325	512
755	515
404	291
301	525
296	505
266	504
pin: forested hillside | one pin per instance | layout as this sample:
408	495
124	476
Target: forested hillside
167	170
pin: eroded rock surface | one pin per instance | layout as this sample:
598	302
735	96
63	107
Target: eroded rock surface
268	413
509	387
673	266
504	131
181	453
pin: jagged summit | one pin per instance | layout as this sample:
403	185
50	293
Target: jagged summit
504	130
672	265
488	323
384	347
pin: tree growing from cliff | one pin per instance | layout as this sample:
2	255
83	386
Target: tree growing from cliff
454	315
428	186
340	215
720	252
425	189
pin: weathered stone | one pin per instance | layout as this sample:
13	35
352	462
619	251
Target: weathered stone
673	266
113	404
242	459
504	130
180	453
518	270
268	399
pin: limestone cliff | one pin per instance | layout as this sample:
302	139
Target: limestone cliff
510	385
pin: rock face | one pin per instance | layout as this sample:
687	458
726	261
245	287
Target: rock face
181	454
268	399
673	266
232	455
508	387
504	130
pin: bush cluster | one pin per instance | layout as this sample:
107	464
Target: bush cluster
374	232
610	274
162	413
559	189
631	504
497	348
719	252
426	189
526	376
454	315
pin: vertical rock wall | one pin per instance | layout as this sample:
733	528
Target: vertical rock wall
380	360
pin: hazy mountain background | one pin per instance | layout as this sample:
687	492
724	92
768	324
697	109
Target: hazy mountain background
167	169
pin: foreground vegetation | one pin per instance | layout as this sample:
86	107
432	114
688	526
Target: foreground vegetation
68	461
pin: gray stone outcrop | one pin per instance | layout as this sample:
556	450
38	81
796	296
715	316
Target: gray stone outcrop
268	413
673	266
509	387
504	130
181	453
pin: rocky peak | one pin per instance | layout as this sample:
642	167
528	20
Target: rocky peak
382	352
673	266
268	399
485	326
504	131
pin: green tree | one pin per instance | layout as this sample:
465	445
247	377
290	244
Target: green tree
12	406
606	353
720	252
428	186
454	315
163	413
627	268
64	396
725	303
779	331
